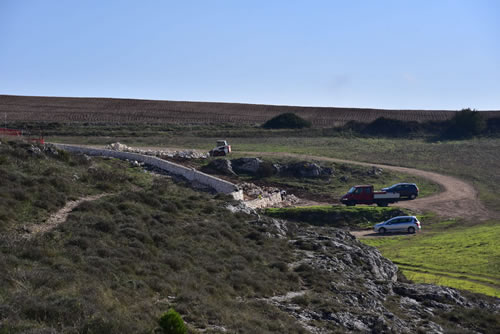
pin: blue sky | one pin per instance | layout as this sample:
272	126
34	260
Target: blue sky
431	54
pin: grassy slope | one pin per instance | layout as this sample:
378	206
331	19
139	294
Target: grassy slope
35	184
463	257
149	246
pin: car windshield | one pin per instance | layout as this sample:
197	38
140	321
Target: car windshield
351	190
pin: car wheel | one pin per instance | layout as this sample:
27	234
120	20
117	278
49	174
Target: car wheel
413	196
350	204
381	230
411	230
382	204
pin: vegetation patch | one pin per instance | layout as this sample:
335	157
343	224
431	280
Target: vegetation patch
38	180
337	216
117	263
465	124
287	121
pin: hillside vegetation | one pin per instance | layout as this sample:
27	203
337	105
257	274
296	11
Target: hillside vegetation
117	264
286	121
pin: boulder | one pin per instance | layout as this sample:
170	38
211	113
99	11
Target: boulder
50	149
306	169
246	165
35	150
374	171
426	292
118	147
219	166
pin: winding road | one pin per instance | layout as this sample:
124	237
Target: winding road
458	199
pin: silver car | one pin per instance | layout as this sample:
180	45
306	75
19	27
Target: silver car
408	224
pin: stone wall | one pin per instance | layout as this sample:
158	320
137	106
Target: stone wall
219	185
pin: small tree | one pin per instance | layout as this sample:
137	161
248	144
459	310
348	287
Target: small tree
287	121
171	323
466	123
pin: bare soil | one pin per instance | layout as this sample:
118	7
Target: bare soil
132	111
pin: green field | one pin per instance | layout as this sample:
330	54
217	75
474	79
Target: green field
449	254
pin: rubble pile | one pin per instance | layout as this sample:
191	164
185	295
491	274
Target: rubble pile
185	154
261	197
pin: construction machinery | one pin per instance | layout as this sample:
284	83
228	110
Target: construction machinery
222	148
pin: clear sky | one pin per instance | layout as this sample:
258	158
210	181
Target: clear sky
431	54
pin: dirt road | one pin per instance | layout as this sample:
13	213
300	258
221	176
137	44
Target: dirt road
457	199
58	217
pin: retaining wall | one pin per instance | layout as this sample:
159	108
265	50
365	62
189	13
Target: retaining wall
219	185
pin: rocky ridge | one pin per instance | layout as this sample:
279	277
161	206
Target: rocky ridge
365	292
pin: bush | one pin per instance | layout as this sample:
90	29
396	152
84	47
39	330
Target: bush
171	323
466	123
287	121
391	127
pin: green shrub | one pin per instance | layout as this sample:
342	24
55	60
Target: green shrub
171	322
391	127
287	121
466	123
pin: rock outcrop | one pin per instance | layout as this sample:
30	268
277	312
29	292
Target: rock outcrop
246	165
305	169
364	292
219	166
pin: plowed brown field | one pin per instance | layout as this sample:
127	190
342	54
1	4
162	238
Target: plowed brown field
107	110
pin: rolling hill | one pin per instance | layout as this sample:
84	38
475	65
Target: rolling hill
110	110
